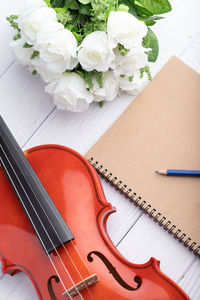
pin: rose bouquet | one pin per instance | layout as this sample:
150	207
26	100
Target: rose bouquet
88	50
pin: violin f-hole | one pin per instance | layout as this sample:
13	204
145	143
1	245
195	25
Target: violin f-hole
114	272
50	288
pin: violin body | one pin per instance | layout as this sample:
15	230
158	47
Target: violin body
76	191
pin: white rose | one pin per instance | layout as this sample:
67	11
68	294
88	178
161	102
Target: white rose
95	52
57	47
29	7
133	85
31	25
109	90
22	54
40	67
125	29
70	92
128	64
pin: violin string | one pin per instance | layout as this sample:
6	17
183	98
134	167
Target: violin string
75	248
32	223
86	286
77	251
41	224
61	240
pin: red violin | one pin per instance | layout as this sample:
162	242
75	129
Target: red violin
53	228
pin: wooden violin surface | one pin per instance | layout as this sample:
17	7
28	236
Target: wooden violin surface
88	267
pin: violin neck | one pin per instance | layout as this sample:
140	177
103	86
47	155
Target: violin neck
44	217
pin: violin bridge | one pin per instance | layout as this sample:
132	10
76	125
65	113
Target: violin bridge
73	291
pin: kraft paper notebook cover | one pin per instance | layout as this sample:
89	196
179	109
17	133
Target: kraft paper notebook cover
159	130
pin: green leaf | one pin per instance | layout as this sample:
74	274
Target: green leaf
84	1
17	36
100	104
88	79
48	3
78	37
99	78
143	12
57	3
85	9
131	78
152	20
26	45
129	3
64	16
34	54
123	7
73	4
14	24
147	71
80	73
154	6
123	51
151	41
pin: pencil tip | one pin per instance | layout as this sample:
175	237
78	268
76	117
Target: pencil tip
156	171
162	172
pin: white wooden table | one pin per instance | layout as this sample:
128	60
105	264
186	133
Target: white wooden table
34	120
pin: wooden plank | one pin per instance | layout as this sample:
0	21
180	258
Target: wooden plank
18	287
81	130
94	122
90	124
28	103
177	31
126	216
23	104
190	281
191	54
147	239
7	33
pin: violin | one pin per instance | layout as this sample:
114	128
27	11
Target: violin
53	228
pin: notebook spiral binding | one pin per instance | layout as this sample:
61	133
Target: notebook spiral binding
152	212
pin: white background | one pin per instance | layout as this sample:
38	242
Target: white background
33	119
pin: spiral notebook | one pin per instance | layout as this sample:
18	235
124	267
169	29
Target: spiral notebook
159	130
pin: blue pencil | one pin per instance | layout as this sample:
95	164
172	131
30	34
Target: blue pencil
172	172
